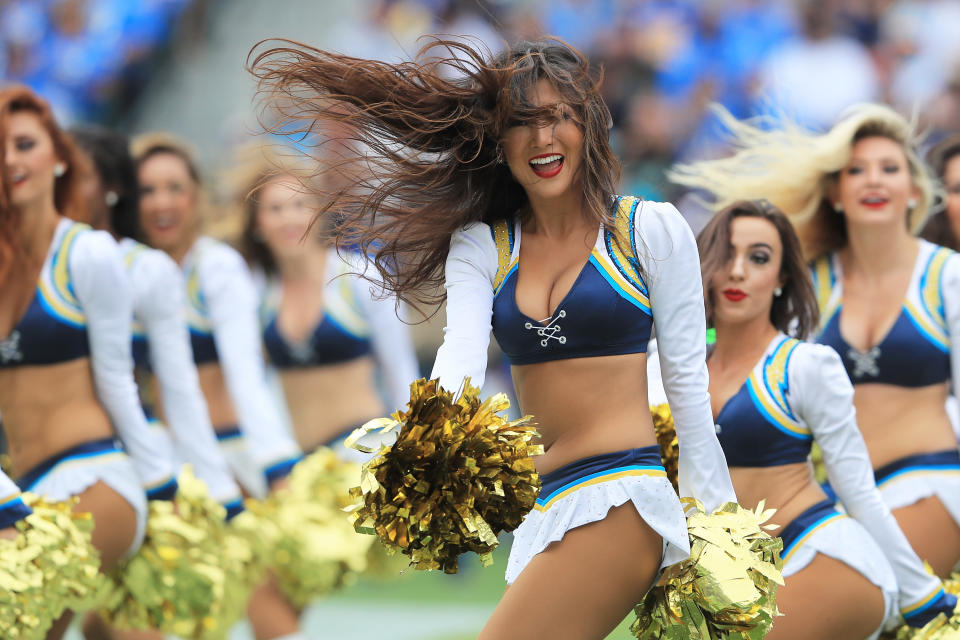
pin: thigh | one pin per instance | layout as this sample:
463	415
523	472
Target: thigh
826	600
932	532
114	522
582	586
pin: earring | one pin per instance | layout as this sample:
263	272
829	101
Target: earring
59	169
778	292
838	207
111	198
911	204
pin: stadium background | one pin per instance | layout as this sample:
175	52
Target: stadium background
178	65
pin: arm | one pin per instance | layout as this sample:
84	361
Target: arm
471	265
102	289
232	301
160	310
823	397
12	508
950	286
672	272
390	338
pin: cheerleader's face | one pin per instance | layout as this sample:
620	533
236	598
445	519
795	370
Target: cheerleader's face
951	180
284	214
875	186
168	201
30	161
545	157
743	290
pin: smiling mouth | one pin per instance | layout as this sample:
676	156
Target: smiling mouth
18	179
874	203
734	295
547	165
164	223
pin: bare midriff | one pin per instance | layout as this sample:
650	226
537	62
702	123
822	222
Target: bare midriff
586	406
328	400
788	488
48	409
219	404
897	422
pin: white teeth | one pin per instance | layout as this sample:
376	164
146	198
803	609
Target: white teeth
547	159
874	200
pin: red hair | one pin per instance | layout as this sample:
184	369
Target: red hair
66	196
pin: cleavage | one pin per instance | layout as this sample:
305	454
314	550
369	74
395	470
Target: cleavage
536	275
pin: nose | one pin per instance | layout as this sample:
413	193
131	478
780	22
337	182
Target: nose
736	268
874	174
543	134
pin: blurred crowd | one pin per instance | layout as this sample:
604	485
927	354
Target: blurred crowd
664	61
84	56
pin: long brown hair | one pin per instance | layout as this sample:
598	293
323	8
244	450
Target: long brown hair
937	229
67	198
430	135
794	312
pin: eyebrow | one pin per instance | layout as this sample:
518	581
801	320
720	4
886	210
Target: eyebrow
756	245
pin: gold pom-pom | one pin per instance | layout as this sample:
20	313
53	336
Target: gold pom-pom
726	589
457	475
312	547
179	580
49	568
941	627
667	439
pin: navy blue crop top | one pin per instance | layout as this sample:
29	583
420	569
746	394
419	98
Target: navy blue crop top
606	312
342	334
54	327
916	350
757	427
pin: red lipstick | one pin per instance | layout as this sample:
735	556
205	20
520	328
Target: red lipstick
546	169
734	295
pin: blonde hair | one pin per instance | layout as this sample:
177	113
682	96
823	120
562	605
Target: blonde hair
794	169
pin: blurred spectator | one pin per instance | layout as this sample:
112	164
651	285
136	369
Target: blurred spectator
814	77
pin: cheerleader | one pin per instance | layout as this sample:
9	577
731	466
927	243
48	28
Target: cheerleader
889	302
498	184
325	329
160	342
943	228
772	397
221	314
66	384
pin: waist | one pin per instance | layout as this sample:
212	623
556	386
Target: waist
947	461
323	400
806	524
91	452
556	484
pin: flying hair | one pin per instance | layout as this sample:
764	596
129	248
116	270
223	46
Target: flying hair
795	168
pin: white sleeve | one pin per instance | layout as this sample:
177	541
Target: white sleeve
103	290
12	507
950	286
822	396
232	302
390	338
671	265
470	270
159	308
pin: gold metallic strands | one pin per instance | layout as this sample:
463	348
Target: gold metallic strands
726	590
667	439
49	568
313	549
941	627
177	581
457	475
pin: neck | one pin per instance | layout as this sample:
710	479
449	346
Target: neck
876	250
742	340
557	217
179	252
37	225
308	265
